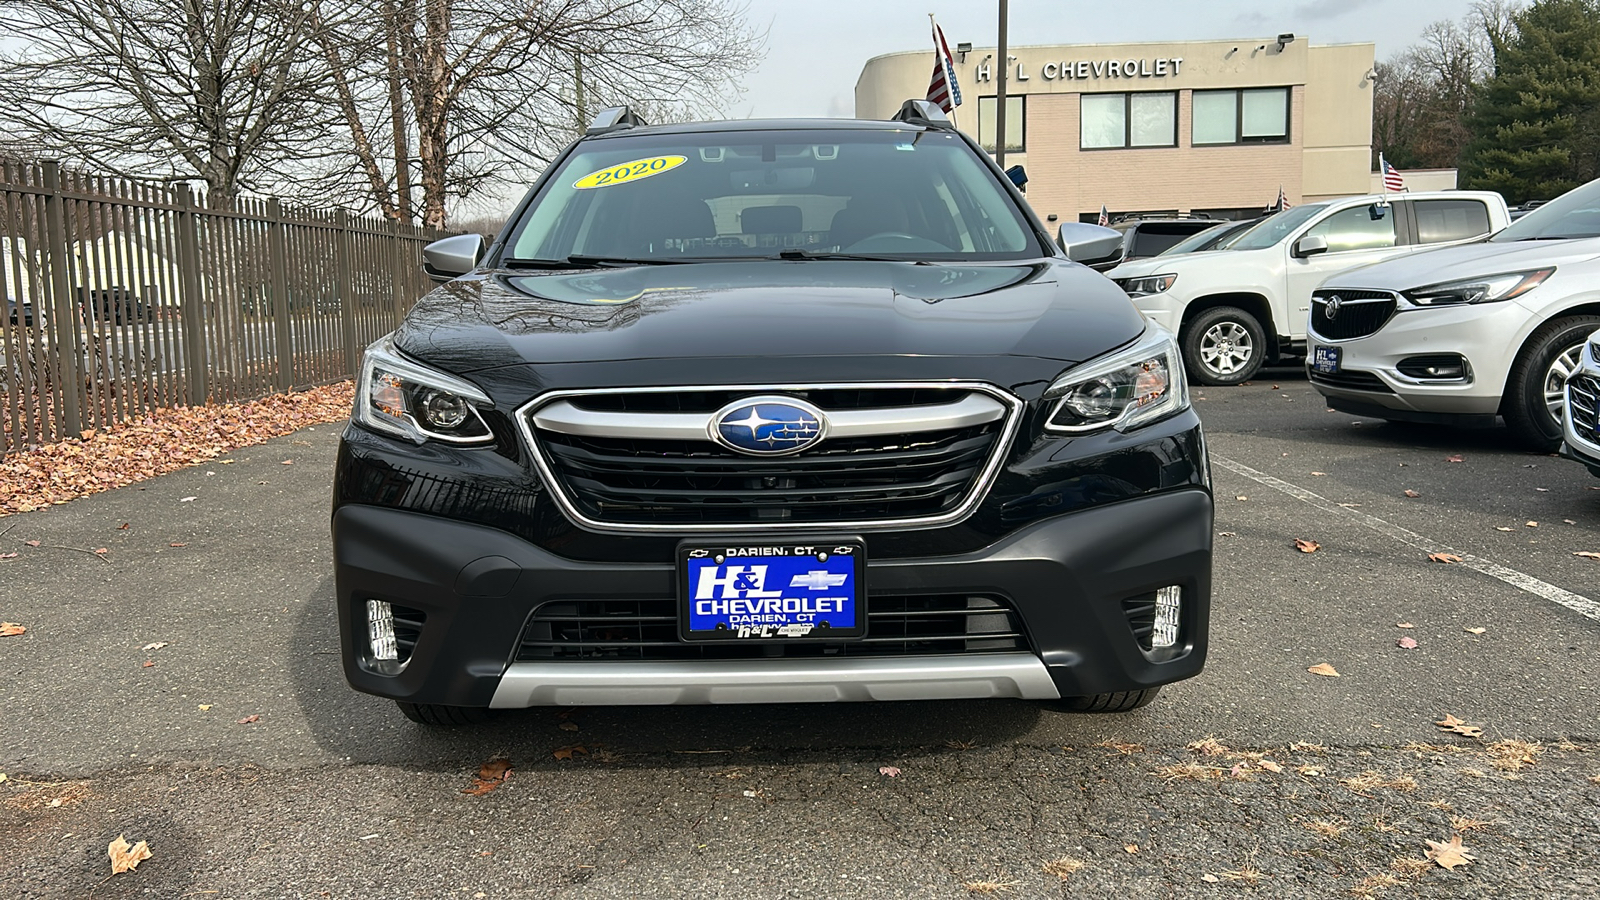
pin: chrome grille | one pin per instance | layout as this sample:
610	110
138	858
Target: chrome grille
900	455
1583	405
1359	313
918	625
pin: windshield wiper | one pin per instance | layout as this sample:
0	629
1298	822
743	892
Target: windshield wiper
586	261
795	253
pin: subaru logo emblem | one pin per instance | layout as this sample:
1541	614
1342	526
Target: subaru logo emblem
768	426
1333	305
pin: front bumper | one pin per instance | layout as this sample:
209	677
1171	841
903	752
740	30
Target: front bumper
1487	336
1066	577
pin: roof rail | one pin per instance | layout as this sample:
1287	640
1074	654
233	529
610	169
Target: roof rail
923	112
614	118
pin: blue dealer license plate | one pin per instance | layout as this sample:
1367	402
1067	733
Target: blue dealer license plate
1326	359
772	591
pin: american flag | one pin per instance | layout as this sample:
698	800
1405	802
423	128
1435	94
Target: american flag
1105	217
942	87
1283	200
1391	176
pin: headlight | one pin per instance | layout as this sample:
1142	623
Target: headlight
1487	289
1127	389
403	398
1146	284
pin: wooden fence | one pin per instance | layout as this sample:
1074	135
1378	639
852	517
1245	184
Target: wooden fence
122	297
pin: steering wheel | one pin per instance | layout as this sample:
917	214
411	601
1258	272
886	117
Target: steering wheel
895	242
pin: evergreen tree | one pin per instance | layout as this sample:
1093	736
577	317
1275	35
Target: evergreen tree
1536	122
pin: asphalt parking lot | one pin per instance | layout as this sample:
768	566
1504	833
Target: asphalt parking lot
235	749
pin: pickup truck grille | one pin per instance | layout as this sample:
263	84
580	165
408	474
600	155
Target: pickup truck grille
1357	314
918	625
612	464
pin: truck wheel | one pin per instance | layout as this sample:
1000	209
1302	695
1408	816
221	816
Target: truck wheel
1224	345
1121	701
1535	389
437	716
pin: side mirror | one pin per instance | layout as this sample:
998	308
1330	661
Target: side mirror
1378	211
1310	245
452	257
1095	246
1018	176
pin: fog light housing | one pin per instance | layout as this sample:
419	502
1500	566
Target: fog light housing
1169	608
380	632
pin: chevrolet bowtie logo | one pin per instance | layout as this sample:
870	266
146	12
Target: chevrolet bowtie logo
818	580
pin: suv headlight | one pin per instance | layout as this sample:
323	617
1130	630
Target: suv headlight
1124	390
1487	289
400	397
1146	284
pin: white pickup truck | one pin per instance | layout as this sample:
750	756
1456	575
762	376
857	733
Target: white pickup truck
1237	309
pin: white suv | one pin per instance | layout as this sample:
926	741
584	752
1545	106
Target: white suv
1237	309
1461	335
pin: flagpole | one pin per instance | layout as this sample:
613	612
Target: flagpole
1000	92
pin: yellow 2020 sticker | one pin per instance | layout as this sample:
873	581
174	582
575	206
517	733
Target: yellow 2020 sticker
624	173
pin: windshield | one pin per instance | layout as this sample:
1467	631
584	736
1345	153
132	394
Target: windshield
1277	227
1575	214
755	195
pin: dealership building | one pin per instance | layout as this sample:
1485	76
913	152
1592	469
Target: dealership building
1203	127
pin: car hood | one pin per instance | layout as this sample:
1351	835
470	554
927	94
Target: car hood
1161	265
813	308
1464	261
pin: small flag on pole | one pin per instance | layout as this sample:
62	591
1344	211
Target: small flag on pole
943	89
1105	217
1391	176
1283	200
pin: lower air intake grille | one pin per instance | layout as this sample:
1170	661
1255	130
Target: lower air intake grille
1583	405
1352	380
919	625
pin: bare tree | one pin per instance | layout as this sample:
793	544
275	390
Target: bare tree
215	90
441	98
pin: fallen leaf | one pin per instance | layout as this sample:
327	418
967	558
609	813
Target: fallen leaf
1270	766
1305	546
31	543
568	726
1324	669
1237	770
287	462
1458	726
1131	848
1208	877
125	858
491	775
147	664
102	550
226	462
1475	630
1404	625
9	629
1543	490
177	544
123	527
1407	643
1530	524
1411	493
890	771
188	499
8	556
249	720
1452	459
1504	528
205	706
1444	557
1587	554
1450	855
567	752
1241	497
1319	473
1228	534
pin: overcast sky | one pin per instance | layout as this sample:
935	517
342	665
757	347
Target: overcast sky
815	48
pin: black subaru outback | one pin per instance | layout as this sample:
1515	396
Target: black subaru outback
771	411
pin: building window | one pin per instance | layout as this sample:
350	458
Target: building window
1016	123
1254	116
1112	121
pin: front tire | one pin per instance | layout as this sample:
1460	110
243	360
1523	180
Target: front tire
1117	702
1535	389
1224	345
437	716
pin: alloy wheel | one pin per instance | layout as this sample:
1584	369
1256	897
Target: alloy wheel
1226	348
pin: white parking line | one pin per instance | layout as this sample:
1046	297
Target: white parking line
1578	603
